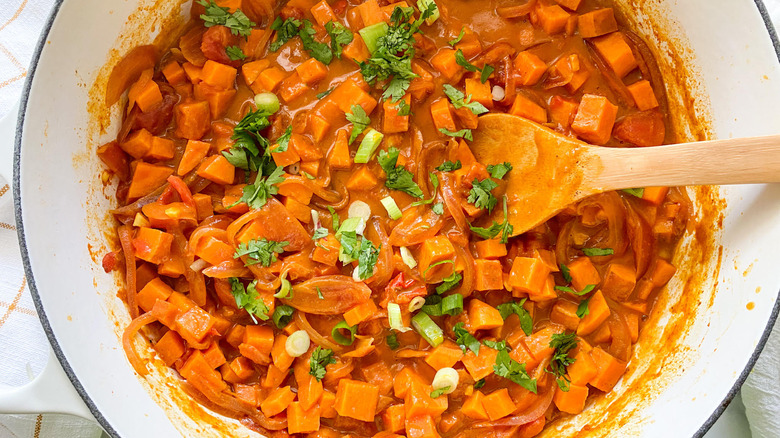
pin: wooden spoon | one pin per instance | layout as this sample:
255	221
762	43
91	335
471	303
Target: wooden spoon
551	171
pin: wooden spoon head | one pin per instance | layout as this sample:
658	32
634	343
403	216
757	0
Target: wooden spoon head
547	167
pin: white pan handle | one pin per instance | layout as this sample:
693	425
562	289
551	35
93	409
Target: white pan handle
7	140
50	393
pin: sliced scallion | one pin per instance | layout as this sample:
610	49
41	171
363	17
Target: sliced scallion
395	319
371	34
368	146
392	208
407	257
338	333
428	329
452	304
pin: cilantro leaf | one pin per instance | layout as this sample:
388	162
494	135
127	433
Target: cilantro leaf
516	307
392	341
505	228
465	339
367	258
404	109
319	51
463	133
595	252
439	392
285	31
582	309
284	141
487	70
282	316
360	121
319	233
249	142
398	178
566	273
324	93
561	343
257	194
340	36
335	217
237	22
510	369
435	182
319	293
458	38
459	100
589	288
500	345
235	53
461	60
248	299
449	166
479	384
350	250
438	208
480	194
499	170
392	59
635	192
320	358
262	251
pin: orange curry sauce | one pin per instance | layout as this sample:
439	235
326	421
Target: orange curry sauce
243	225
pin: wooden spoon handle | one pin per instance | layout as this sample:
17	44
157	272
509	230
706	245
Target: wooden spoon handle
716	162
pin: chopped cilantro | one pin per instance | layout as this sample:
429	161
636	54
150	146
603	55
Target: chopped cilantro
237	22
435	183
589	288
582	309
505	228
510	369
284	141
516	307
248	299
398	178
359	119
499	170
324	93
235	53
459	100
561	343
465	339
480	194
458	38
449	166
439	392
257	194
438	208
320	358
566	273
392	341
463	133
285	31
367	258
262	251
319	51
340	36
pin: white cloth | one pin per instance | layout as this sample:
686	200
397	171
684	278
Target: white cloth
23	345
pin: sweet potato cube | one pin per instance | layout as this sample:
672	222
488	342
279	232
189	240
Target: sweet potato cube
174	73
356	399
162	149
323	13
595	119
445	62
598	312
530	68
583	273
151	292
597	23
218	75
498	404
392	122
152	245
339	157
301	420
528	275
269	79
488	275
216	168
480	366
193	119
616	52
327	250
552	18
194	153
441	111
423	426
619	281
433	251
250	71
292	88
418	401
562	111
312	71
138	143
357	50
525	107
446	355
565	313
643	95
583	370
609	370
473	407
490	249
483	316
277	401
394	418
572	401
571	5
360	313
479	92
170	347
362	179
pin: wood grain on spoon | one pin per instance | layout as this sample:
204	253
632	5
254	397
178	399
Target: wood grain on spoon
551	171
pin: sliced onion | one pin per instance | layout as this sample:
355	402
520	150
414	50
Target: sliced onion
199	265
